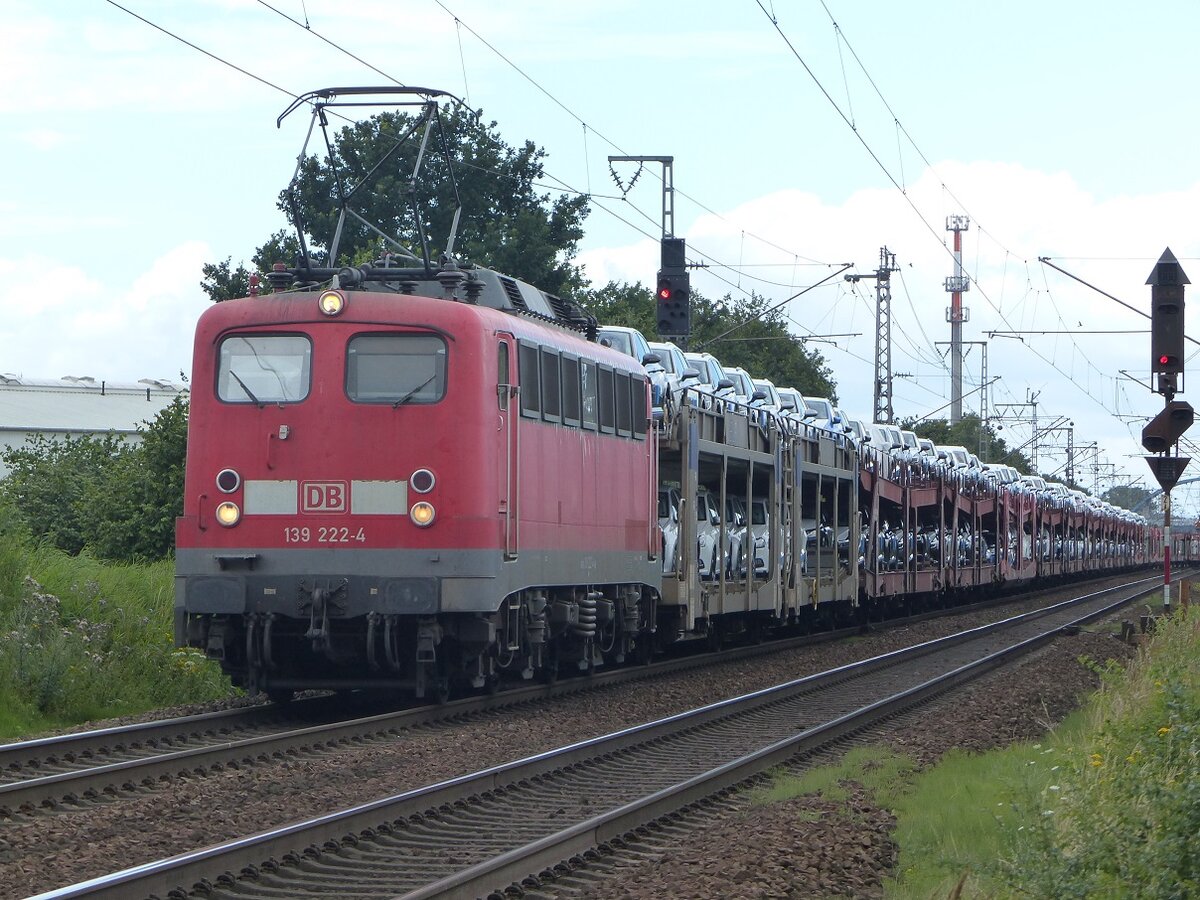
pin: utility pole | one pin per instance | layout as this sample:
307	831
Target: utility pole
1055	427
1030	402
883	412
956	284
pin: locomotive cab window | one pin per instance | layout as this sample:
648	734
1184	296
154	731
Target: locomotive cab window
264	368
396	368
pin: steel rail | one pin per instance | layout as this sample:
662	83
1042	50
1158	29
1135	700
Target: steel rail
249	853
149	756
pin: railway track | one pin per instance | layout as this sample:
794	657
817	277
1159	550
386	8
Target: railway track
480	833
67	771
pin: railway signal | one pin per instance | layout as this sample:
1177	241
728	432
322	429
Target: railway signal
1166	322
1167	427
673	297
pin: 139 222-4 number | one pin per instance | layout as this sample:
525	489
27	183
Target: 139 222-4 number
326	534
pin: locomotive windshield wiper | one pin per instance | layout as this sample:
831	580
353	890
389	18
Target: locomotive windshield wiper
411	393
249	393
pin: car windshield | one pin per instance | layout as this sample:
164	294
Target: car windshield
671	359
618	340
769	390
823	407
741	383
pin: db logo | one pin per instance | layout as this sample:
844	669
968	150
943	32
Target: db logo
323	496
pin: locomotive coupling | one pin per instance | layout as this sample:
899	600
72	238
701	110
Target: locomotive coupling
317	601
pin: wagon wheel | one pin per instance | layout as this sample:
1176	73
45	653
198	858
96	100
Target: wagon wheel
716	636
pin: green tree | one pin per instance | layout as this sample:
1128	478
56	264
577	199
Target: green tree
738	332
222	281
101	492
51	479
132	509
1133	498
507	222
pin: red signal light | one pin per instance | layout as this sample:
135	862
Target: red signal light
1163	360
664	291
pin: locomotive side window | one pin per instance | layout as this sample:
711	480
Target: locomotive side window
624	409
589	392
608	415
531	400
551	388
502	382
570	390
396	368
264	368
639	406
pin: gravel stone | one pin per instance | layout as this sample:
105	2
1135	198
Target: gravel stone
802	848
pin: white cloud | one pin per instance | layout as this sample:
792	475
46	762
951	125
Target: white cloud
64	322
46	138
1111	243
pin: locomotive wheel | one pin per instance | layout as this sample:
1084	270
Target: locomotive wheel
643	650
549	670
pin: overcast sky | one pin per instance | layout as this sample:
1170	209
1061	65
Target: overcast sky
805	134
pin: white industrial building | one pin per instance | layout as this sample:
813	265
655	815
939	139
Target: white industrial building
77	406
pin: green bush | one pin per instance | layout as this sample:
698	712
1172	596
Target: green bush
119	500
81	640
1121	814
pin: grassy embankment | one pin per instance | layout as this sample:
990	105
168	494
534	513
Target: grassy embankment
1106	806
82	640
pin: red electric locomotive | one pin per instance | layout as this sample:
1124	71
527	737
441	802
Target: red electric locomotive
405	490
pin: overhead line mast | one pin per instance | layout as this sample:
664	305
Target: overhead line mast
883	412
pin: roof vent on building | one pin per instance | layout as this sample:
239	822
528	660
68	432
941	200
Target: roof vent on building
10	378
79	379
158	383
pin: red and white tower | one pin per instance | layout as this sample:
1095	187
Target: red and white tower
956	314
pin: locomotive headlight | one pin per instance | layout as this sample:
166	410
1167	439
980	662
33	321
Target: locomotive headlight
331	303
422	481
422	514
228	514
228	481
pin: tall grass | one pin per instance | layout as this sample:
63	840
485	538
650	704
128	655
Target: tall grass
81	640
1106	807
1123	820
